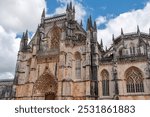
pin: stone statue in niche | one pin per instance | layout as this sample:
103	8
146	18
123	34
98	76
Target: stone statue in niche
55	36
44	44
42	32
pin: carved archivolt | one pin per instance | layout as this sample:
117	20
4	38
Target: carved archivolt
45	84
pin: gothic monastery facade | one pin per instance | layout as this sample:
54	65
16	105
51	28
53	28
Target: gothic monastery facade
63	61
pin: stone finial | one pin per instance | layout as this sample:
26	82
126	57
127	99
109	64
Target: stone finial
43	13
71	5
88	24
95	26
122	32
113	38
90	21
101	43
26	35
138	29
74	9
81	23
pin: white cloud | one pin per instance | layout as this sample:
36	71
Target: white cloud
101	20
80	10
8	53
16	16
128	21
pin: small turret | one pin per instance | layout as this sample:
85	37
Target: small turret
70	11
24	41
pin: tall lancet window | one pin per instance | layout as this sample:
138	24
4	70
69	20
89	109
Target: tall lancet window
134	80
105	82
78	65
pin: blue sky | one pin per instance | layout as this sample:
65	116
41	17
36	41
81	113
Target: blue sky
108	8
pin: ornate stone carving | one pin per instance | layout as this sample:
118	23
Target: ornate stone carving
45	84
55	35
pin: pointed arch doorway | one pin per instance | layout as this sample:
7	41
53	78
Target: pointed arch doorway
50	96
45	87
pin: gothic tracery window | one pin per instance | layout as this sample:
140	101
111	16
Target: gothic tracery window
134	80
55	36
78	65
105	82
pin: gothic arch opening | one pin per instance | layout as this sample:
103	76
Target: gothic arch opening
105	82
45	86
134	80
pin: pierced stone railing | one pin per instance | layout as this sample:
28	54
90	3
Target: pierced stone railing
51	52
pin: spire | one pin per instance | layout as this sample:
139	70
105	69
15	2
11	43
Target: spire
88	25
74	9
90	21
67	7
71	5
138	29
95	26
43	13
122	32
113	38
81	23
26	35
101	43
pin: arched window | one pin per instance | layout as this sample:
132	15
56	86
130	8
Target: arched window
134	80
105	82
78	65
132	49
